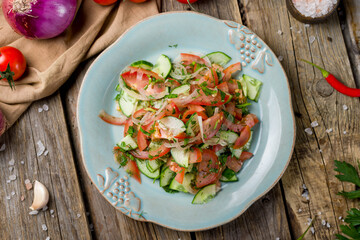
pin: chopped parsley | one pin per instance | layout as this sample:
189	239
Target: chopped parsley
173	46
131	131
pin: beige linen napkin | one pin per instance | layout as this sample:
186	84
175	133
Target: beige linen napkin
52	61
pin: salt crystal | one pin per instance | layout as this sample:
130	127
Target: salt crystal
8	181
308	131
44	208
311	39
305	194
329	130
27	181
2	148
40	110
78	215
314	9
52	216
340	217
307	25
279	32
309	220
304	186
300	210
41	148
46	107
319	213
312	229
12	177
46	153
345	107
300	31
35	212
47	238
11	168
13	193
44	227
280	58
8	197
328	225
277	238
314	124
52	212
320	151
22	198
344	132
291	28
28	186
323	222
12	162
22	162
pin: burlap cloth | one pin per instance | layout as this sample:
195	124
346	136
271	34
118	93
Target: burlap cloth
52	61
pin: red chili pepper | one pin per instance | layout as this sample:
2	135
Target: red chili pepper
336	84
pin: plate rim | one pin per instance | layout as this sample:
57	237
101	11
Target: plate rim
250	202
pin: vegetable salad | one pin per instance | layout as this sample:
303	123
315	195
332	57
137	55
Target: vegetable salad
186	122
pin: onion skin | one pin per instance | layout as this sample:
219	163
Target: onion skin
39	19
3	123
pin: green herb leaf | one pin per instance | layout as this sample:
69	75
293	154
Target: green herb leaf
350	195
303	235
172	96
131	131
145	132
349	173
243	105
222	95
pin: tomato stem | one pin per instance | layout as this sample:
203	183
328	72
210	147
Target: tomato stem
8	75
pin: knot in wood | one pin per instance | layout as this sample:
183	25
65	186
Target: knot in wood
323	88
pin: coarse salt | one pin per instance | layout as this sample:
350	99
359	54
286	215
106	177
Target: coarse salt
300	210
22	162
279	32
312	229
52	211
308	131
46	153
307	25
328	225
345	132
44	227
40	110
13	193
329	130
345	107
35	212
323	222
314	124
11	168
319	213
314	8
44	208
47	238
41	148
8	197
12	162
311	39
280	58
2	148
78	215
45	107
12	177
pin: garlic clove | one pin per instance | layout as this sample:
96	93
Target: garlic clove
41	196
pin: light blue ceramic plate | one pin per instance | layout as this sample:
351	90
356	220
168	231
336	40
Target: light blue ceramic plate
274	136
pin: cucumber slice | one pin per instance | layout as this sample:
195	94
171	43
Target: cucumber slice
154	165
219	58
253	87
166	176
181	157
205	194
228	176
142	165
244	87
127	143
185	186
163	66
228	136
184	89
192	126
172	125
248	144
143	64
218	153
118	88
236	152
127	104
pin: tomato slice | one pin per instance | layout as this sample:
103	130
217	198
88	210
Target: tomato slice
135	81
195	155
238	114
230	108
180	176
111	119
173	165
236	127
223	87
210	100
233	163
245	156
151	155
251	120
211	78
129	123
145	72
132	169
212	125
138	79
191	110
139	113
141	141
243	138
217	148
208	169
187	59
172	110
231	69
233	85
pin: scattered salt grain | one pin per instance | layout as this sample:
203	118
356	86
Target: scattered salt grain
328	225
314	124
8	197
45	107
279	32
41	148
40	110
311	39
27	181
2	148
52	211
308	131
300	31
319	213
291	28
307	25
305	194
280	58
44	227
323	222
315	8
8	181
345	107
47	238
46	153
320	151
13	193
312	229
22	198
44	208
11	168
35	212
12	177
340	217
12	162
344	132
300	210
329	130
309	220
304	186
277	238
22	162
78	215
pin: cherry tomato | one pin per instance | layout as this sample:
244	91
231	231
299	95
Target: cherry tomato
186	1
105	2
12	56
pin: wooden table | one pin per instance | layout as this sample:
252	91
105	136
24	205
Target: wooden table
80	212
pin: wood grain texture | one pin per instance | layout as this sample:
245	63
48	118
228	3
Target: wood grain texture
56	171
107	221
309	165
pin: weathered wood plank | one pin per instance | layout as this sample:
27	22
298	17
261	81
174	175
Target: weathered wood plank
56	171
352	35
107	221
309	165
271	222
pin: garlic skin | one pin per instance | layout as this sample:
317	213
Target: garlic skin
41	196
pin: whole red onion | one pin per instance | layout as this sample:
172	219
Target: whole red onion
40	19
3	123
